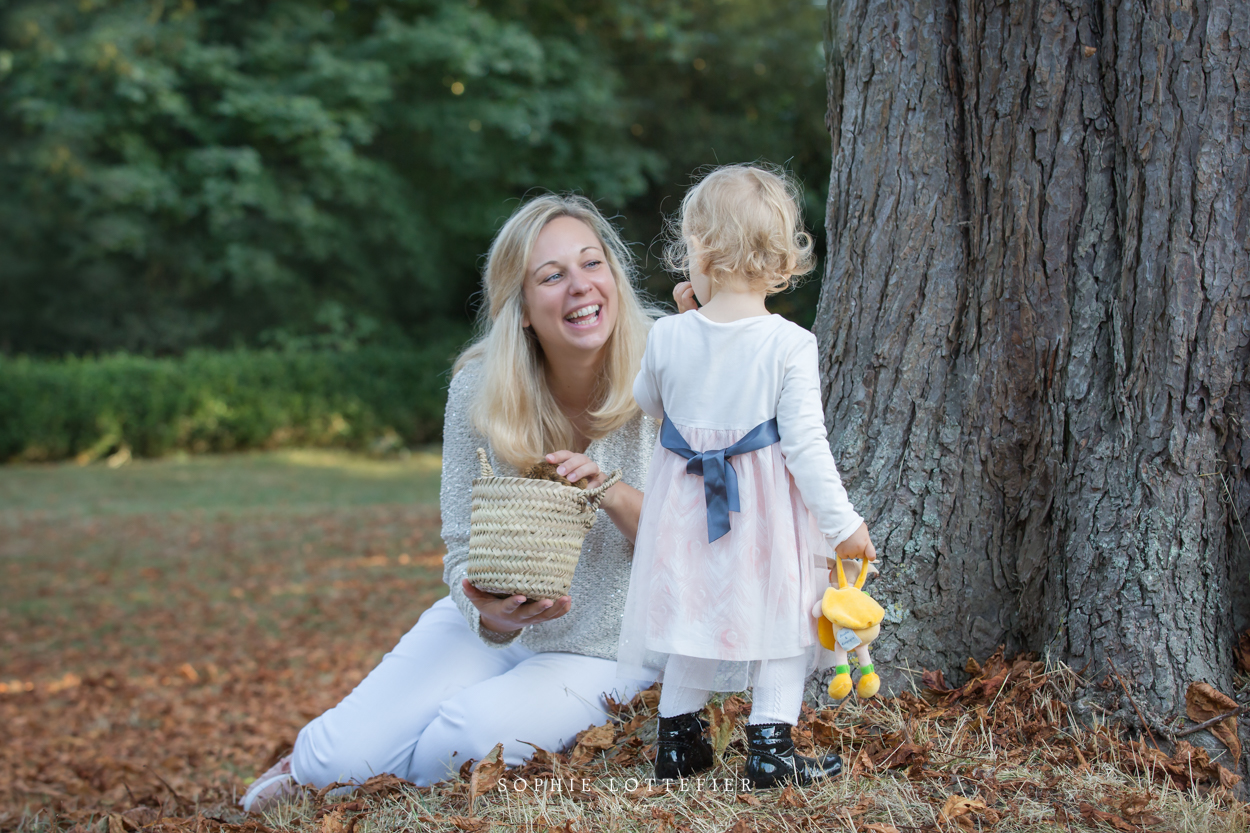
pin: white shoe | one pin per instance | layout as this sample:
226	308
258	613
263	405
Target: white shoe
277	783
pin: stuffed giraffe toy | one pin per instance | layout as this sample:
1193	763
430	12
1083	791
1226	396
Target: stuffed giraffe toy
849	619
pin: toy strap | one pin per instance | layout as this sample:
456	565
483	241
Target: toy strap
859	580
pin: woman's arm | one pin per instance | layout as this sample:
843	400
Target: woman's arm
496	621
622	502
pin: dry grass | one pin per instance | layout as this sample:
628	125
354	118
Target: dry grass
1004	753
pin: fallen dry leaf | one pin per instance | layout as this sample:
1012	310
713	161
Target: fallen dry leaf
469	825
647	700
1203	702
486	774
344	807
960	805
861	764
723	718
1134	808
591	741
541	756
335	822
790	797
138	817
934	681
665	819
740	826
646	790
901	756
1241	654
873	827
1092	814
599	737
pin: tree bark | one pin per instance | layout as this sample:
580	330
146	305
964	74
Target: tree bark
1035	327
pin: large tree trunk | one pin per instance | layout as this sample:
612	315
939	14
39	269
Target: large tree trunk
1035	327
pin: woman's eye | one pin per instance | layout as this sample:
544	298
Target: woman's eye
553	276
594	264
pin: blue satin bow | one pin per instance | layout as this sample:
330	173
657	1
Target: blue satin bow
720	481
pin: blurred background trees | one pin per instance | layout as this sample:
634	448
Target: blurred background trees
309	175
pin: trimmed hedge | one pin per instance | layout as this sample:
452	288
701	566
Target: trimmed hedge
222	401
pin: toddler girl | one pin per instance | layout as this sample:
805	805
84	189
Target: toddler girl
743	500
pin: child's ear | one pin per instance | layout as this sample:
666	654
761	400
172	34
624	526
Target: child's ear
704	260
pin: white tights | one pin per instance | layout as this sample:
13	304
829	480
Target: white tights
442	696
776	696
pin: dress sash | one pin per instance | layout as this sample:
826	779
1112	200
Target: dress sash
720	481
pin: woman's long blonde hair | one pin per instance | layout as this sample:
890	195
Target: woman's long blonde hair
514	408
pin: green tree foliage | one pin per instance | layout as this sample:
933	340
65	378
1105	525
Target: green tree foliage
326	174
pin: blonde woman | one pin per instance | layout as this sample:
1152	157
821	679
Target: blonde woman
551	376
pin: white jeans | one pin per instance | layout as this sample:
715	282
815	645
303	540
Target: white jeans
442	697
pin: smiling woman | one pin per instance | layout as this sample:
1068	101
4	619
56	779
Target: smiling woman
550	377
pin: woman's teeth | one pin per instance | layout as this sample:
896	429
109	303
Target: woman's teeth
584	315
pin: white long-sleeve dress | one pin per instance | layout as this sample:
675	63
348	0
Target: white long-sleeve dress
747	596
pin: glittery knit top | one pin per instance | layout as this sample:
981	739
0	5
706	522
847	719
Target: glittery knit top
592	626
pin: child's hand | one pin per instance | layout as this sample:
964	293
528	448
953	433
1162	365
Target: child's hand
683	295
859	545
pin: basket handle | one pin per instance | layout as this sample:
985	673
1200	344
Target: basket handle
487	471
595	495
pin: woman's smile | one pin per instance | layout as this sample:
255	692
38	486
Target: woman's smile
582	317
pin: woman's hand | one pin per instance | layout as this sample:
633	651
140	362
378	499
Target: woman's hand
683	295
859	545
573	467
514	612
622	502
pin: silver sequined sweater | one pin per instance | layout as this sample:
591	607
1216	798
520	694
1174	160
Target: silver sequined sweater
592	626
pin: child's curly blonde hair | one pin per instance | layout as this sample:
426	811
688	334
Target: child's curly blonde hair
747	225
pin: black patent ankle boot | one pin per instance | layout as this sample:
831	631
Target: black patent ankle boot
771	759
681	749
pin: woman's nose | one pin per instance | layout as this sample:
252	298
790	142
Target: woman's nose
579	283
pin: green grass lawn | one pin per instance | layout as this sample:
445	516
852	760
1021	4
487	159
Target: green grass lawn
292	479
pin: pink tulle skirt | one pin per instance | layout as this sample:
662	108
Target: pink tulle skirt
744	598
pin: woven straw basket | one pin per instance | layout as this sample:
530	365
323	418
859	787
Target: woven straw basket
525	535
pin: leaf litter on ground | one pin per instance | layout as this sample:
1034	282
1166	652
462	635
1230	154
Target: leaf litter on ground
153	663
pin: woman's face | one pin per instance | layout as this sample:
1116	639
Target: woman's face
570	294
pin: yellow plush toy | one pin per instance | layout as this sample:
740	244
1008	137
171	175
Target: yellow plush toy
850	619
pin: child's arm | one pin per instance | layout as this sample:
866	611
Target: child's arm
805	446
647	382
